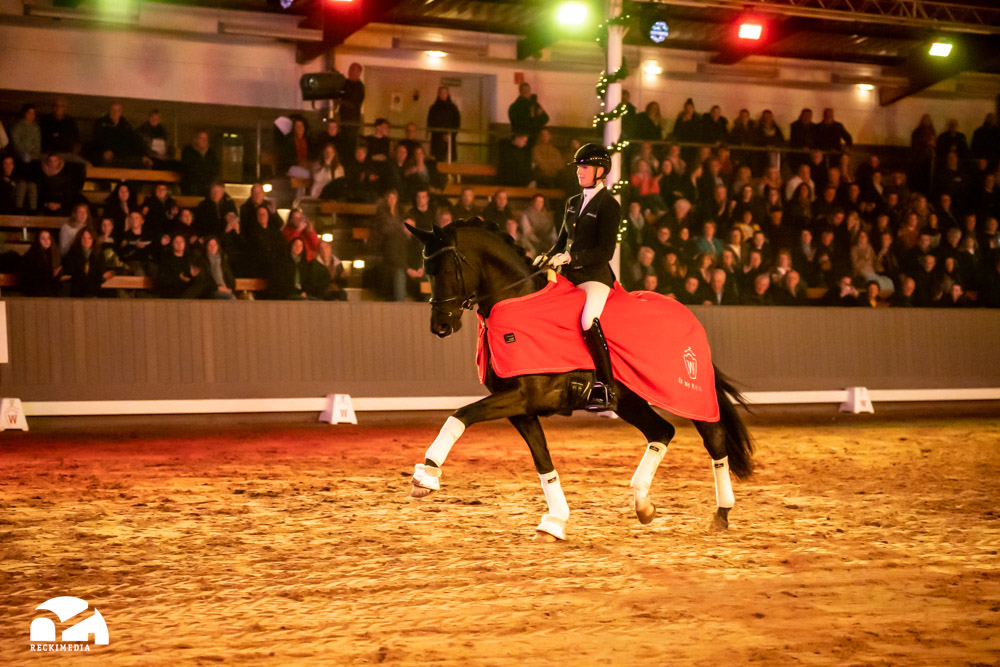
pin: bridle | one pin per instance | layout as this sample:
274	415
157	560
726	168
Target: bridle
470	299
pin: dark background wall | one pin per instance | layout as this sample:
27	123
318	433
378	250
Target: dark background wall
156	349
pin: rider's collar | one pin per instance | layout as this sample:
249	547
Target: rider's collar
596	187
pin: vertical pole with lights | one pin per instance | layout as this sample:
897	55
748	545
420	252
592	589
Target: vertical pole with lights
613	128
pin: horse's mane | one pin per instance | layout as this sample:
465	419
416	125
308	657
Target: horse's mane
494	230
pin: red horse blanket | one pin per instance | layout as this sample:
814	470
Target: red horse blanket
658	347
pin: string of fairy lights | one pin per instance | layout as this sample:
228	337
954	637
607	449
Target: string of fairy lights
603	83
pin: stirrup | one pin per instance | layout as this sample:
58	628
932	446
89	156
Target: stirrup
602	397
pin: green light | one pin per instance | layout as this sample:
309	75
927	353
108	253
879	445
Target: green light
940	49
572	14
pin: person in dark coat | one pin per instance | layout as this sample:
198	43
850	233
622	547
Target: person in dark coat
159	209
514	164
199	166
118	205
39	267
210	216
584	249
443	114
83	267
266	244
180	276
58	190
297	277
526	115
350	105
115	143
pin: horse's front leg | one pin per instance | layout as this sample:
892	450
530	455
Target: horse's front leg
427	475
553	524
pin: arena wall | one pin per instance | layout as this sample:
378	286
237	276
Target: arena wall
134	350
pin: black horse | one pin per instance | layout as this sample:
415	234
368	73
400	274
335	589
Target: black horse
472	263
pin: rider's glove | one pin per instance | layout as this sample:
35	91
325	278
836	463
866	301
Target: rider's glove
559	259
540	260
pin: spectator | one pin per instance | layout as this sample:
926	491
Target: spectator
183	226
760	293
952	140
800	208
266	244
78	219
687	130
333	135
410	139
115	143
444	115
842	294
295	149
547	160
645	185
179	276
801	137
872	296
526	115
39	267
538	232
199	166
60	133
419	173
954	297
4	139
691	292
926	279
648	125
444	217
986	140
742	135
721	293
923	142
629	116
57	189
396	172
498	210
634	274
422	214
514	165
337	270
831	136
350	104
766	134
215	265
863	263
905	297
26	140
791	291
802	176
210	216
157	151
969	258
9	185
83	268
136	246
248	210
952	179
237	247
159	209
671	183
300	227
388	247
466	207
362	179
989	295
379	143
117	207
327	175
715	127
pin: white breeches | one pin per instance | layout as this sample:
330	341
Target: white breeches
597	295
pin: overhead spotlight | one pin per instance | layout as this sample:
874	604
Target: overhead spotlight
751	30
867	87
651	68
267	187
658	32
358	264
328	237
940	49
436	55
572	14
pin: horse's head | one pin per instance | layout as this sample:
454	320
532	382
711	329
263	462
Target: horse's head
453	279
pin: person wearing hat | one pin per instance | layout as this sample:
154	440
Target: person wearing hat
584	250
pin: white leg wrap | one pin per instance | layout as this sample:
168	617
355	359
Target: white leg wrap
651	459
554	522
723	486
426	477
445	440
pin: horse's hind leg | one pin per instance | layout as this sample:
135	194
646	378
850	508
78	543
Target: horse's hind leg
713	434
553	524
658	432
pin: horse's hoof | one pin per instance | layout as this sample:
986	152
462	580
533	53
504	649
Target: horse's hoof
419	491
720	520
645	510
542	536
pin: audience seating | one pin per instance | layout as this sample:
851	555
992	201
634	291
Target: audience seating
141	175
459	169
184	201
26	222
455	189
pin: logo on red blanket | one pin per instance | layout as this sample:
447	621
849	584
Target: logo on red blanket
691	364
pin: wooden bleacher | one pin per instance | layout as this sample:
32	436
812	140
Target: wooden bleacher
459	169
26	222
455	189
184	201
141	175
243	285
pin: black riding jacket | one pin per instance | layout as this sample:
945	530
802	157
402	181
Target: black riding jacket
589	236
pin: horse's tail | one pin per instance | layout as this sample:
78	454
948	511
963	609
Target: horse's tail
739	444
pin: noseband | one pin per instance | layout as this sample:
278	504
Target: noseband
467	302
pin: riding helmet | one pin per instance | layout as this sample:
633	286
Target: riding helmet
594	155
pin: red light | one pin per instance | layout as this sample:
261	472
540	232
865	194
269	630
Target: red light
751	31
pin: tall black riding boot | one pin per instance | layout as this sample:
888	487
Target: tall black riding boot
604	395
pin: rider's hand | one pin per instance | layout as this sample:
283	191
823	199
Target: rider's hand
559	259
540	260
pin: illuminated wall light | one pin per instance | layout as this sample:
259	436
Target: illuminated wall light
750	30
866	87
652	68
572	13
267	187
436	55
940	49
358	264
327	237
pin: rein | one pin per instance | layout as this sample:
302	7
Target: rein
471	300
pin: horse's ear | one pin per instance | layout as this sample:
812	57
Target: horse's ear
422	236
